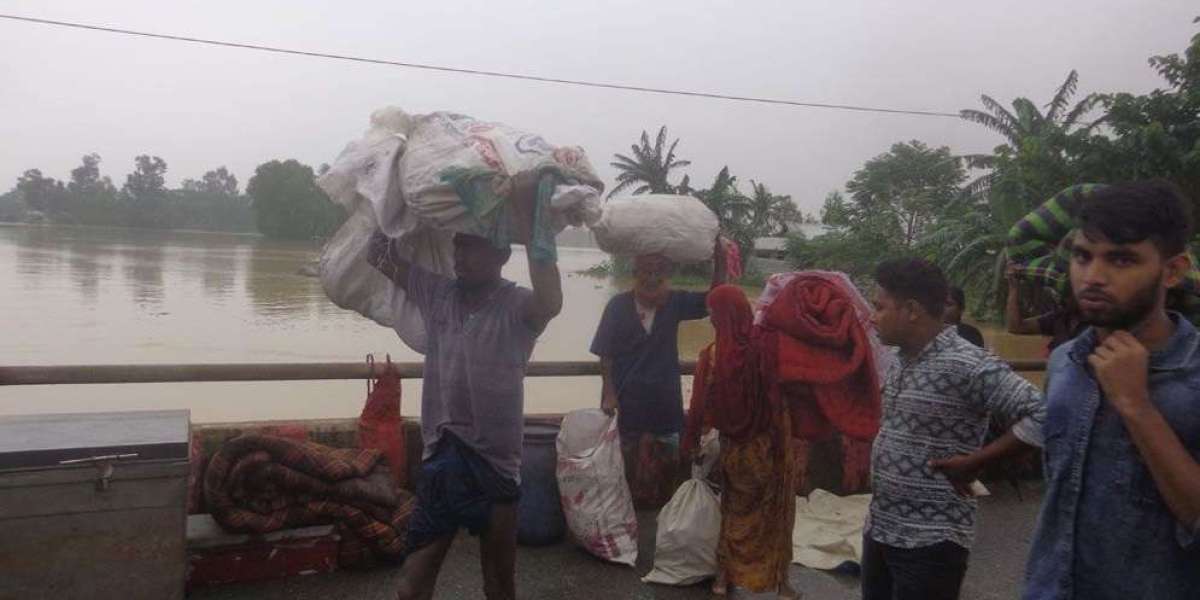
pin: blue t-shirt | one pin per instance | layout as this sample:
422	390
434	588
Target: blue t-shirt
645	366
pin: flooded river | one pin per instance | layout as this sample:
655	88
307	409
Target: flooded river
114	296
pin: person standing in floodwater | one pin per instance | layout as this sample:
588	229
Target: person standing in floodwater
481	330
637	341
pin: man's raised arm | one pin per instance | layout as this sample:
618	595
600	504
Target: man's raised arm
382	255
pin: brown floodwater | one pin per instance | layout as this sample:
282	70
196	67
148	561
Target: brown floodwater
75	295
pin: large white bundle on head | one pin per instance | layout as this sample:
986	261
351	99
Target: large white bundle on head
364	175
680	227
443	140
394	179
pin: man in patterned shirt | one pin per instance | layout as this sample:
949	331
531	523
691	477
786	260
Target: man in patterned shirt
937	400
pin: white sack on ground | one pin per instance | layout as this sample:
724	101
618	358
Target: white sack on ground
829	528
680	227
591	480
352	283
689	527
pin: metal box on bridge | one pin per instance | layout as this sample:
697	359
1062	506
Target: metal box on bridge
93	505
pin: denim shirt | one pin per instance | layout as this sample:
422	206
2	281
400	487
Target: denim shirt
1105	530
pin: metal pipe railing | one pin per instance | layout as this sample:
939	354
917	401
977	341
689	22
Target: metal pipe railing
180	373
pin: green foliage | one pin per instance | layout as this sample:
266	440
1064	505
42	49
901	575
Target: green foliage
90	198
13	208
1041	152
854	253
145	192
649	168
916	200
835	212
93	198
747	218
772	214
218	181
40	193
897	196
210	211
1157	135
730	205
289	205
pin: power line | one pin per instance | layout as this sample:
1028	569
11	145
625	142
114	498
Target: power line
478	72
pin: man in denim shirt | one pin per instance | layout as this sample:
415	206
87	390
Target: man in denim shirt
1122	432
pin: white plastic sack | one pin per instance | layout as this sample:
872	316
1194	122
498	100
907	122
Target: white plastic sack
680	227
591	479
369	180
364	173
444	140
689	527
354	284
364	180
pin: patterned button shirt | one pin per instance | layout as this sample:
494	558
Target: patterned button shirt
937	405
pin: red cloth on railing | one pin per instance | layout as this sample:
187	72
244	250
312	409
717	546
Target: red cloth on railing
380	426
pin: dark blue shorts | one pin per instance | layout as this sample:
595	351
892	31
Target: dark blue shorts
456	488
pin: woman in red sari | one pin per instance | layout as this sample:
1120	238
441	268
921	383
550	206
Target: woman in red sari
735	393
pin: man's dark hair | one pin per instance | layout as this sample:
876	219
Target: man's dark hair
958	296
914	279
1130	213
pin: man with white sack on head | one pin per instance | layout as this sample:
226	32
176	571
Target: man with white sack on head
637	342
481	330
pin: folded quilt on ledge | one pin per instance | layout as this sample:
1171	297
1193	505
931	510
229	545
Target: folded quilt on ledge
263	483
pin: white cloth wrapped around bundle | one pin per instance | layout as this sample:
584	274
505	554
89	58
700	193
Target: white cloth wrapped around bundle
395	179
442	140
680	227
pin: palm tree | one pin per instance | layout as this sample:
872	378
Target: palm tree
970	238
772	214
970	246
649	168
732	207
1025	123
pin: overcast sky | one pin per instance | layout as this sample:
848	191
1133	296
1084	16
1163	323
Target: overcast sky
64	93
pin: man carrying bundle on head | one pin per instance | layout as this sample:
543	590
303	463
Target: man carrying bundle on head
638	345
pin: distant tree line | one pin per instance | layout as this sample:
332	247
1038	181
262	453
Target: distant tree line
281	201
